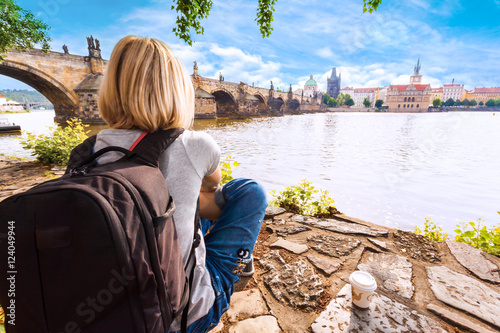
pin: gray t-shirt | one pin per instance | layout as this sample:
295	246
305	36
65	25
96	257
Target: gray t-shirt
190	158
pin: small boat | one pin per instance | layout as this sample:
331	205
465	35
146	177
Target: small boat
6	127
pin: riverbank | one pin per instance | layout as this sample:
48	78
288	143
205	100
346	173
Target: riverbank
302	268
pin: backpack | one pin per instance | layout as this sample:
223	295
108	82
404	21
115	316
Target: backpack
95	250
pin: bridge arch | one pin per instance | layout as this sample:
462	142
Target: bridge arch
292	105
65	101
226	103
262	103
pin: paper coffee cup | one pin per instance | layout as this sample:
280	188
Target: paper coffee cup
363	286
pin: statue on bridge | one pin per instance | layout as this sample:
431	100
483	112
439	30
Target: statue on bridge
94	49
272	87
195	69
65	49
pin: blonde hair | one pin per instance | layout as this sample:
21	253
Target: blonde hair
145	86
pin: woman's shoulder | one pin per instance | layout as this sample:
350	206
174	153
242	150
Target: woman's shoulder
194	139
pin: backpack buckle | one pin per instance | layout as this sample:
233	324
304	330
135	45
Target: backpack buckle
80	171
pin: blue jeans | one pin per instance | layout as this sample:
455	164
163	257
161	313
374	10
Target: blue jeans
229	242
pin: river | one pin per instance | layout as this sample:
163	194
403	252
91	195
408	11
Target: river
390	169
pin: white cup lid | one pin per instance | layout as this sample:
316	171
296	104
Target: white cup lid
362	280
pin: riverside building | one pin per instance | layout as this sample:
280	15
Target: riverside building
413	97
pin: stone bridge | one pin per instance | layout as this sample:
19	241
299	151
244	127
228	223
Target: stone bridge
71	83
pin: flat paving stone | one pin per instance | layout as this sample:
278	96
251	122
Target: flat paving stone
465	293
290	246
334	246
296	284
273	211
392	272
339	226
282	232
472	259
246	304
384	315
457	319
416	246
267	324
327	266
381	244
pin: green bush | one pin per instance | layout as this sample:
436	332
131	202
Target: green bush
306	200
432	231
225	168
486	239
474	234
55	147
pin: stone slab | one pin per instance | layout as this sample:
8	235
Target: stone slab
273	211
339	226
282	232
267	324
384	315
392	272
296	283
416	246
457	319
290	246
246	304
334	246
472	259
465	293
381	244
327	266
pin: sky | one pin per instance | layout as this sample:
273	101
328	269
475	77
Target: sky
457	40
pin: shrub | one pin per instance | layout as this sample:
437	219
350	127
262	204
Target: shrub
55	147
432	231
225	168
306	200
479	237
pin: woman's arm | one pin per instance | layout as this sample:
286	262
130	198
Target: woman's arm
208	207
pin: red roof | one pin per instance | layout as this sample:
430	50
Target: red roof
437	89
403	87
2	96
485	90
452	85
347	88
365	90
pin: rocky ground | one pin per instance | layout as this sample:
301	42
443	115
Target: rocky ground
302	268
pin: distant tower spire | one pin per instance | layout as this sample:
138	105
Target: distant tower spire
417	67
334	73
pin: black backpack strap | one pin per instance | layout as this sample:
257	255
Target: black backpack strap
153	145
81	152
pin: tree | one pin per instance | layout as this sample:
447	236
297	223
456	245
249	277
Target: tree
332	102
465	102
366	102
437	102
20	29
449	102
378	103
190	13
473	102
342	98
481	103
326	98
349	102
497	102
490	103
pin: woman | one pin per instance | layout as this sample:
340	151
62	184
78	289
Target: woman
146	88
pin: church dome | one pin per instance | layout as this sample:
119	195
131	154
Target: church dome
311	82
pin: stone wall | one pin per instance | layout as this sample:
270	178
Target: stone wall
205	108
